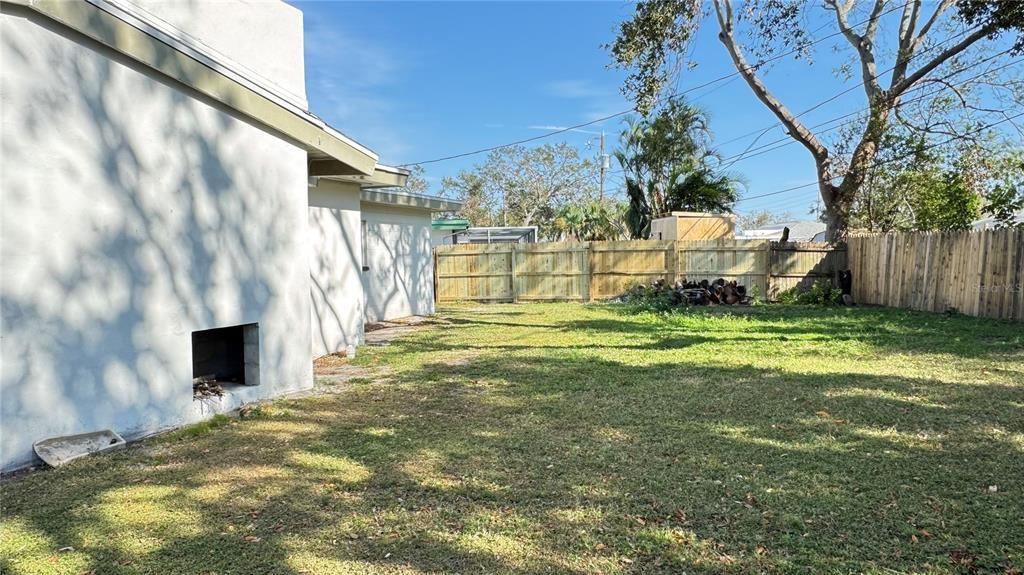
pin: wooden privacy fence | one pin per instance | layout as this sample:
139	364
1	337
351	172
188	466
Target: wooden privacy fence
976	273
566	271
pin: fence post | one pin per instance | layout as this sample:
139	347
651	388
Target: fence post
672	262
585	296
433	256
512	264
769	255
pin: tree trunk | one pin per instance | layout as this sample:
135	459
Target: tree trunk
835	218
839	199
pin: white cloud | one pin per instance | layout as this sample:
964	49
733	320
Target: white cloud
593	102
550	128
574	89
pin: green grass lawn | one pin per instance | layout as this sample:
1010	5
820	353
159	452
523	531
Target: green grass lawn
582	439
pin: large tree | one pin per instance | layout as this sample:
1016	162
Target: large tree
653	42
519	186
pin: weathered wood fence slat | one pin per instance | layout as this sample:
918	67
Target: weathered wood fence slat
975	273
569	271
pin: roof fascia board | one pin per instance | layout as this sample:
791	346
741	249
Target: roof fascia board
431	203
379	179
122	37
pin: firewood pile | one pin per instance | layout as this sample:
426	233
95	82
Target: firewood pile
206	387
704	292
718	292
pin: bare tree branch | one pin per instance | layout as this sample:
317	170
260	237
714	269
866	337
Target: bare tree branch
908	21
937	61
942	7
793	126
863	44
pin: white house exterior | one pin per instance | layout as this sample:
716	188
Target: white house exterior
157	160
398	275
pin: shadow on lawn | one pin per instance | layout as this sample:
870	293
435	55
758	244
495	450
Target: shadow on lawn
886	330
510	464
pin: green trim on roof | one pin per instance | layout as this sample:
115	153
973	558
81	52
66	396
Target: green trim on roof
449	224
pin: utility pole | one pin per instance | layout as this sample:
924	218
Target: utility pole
604	165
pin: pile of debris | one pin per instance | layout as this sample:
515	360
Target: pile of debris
714	293
717	292
206	387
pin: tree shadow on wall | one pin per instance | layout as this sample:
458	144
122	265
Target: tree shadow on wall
158	227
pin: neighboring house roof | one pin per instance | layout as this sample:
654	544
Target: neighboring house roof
697	215
990	222
128	32
496	234
803	231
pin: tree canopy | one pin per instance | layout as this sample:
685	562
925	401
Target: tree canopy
669	163
927	45
519	186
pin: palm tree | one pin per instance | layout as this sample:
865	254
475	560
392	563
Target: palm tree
638	214
666	161
591	221
702	191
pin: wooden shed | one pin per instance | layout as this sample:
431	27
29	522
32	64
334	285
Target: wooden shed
693	226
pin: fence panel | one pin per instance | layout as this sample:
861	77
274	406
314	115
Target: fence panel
473	272
565	271
976	273
800	264
550	272
618	266
745	261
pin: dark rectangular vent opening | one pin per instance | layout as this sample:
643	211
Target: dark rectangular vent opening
224	356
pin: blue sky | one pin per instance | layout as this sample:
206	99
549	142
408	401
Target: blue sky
421	80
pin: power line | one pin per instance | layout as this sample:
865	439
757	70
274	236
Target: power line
631	110
889	160
842	93
788	141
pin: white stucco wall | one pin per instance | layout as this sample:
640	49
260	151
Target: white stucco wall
132	215
336	289
400	281
440	237
263	36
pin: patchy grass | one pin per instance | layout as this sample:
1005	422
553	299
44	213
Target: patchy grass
197	429
582	439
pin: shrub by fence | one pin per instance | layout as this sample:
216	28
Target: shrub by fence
569	271
975	273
